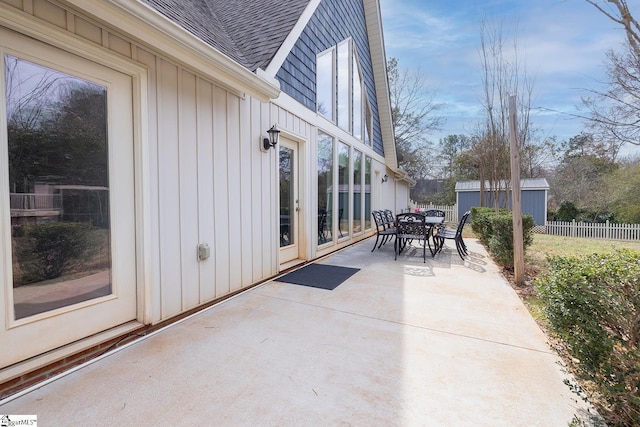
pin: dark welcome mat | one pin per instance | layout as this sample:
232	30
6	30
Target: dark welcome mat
321	276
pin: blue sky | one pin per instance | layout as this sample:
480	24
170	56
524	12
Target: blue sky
562	42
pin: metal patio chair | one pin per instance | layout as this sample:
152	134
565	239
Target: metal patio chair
384	230
410	227
455	235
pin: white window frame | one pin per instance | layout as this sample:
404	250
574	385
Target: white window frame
331	107
344	86
353	66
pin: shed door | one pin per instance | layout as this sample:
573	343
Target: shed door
67	225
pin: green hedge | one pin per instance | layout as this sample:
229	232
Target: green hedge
45	250
593	304
481	222
495	230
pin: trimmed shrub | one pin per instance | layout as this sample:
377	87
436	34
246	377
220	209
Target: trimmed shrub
567	211
593	304
46	249
481	222
495	230
501	241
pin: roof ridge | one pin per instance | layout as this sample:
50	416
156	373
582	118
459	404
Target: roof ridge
199	19
246	20
209	4
236	28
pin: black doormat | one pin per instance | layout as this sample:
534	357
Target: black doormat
321	276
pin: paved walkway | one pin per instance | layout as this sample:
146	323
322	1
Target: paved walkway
39	297
400	343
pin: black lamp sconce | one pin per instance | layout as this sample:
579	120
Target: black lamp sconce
385	178
272	141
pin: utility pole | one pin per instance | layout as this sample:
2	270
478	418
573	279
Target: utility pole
516	195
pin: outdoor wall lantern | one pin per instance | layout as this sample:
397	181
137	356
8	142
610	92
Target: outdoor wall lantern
271	142
385	178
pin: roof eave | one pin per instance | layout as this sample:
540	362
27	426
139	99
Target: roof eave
402	175
378	58
146	25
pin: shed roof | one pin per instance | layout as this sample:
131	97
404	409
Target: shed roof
248	31
525	184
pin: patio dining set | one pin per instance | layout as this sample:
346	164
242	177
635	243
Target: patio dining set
427	228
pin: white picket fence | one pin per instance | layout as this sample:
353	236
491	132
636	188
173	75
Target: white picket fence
451	212
602	231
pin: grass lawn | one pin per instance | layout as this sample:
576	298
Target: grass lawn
544	245
536	264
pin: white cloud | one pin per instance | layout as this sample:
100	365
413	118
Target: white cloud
563	44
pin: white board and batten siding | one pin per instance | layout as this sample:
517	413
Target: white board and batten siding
205	180
194	123
214	186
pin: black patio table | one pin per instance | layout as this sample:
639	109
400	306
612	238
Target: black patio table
432	222
412	233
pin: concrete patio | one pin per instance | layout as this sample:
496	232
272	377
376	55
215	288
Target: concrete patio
400	343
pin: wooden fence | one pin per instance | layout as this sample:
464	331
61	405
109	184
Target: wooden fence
602	231
451	212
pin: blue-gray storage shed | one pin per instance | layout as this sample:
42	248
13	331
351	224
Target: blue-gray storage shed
534	197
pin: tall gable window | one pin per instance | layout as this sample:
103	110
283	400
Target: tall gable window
344	83
357	100
325	83
340	94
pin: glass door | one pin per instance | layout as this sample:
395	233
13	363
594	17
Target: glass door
289	201
66	170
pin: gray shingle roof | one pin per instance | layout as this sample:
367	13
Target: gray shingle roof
248	31
525	184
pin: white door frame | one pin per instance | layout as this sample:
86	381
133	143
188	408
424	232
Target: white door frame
292	256
92	63
291	252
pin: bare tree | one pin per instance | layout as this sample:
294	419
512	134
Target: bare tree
502	76
450	148
538	156
29	93
615	113
415	113
582	172
622	16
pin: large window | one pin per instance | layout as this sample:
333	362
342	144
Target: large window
344	174
325	87
340	91
344	83
357	100
367	193
366	125
349	171
325	191
59	187
357	191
